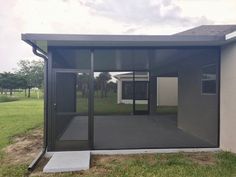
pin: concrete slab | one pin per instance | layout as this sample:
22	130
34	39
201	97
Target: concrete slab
134	131
68	161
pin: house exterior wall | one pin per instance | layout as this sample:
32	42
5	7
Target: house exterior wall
167	91
228	98
119	92
119	88
197	112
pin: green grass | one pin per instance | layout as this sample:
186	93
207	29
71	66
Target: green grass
167	109
4	98
161	165
33	94
18	117
166	165
14	170
108	105
174	165
158	165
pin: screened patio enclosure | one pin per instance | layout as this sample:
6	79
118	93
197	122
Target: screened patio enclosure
83	94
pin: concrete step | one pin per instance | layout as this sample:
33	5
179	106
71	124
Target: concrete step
68	161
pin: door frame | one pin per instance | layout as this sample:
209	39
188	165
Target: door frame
64	145
141	112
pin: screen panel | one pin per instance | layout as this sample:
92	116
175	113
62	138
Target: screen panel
71	111
71	58
121	59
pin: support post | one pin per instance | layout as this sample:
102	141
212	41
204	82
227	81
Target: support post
153	94
91	101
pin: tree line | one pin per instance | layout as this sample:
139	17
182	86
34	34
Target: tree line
28	75
101	84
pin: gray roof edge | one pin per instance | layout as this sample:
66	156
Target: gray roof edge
24	38
218	29
118	38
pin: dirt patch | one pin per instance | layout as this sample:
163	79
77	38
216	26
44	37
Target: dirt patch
202	158
24	148
108	159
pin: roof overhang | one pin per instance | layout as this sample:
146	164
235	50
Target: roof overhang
230	36
43	41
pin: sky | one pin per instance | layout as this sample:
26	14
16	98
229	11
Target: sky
146	17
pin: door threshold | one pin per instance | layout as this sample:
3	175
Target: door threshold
144	151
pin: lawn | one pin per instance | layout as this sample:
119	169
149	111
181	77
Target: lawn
8	98
108	105
17	117
159	165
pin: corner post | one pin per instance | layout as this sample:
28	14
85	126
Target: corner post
91	101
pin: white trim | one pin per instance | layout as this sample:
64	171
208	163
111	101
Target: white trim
130	101
230	35
152	151
202	80
144	151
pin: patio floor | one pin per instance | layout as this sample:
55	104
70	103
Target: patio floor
139	131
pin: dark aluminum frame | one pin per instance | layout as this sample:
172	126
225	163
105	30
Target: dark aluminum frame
50	123
141	112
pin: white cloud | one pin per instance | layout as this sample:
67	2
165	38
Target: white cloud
101	17
219	11
144	12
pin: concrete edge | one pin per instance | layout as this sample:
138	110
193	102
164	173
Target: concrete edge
143	151
68	161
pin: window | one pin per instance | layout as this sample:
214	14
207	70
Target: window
127	90
141	91
208	79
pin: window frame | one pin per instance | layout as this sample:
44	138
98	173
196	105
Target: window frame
132	85
123	90
202	80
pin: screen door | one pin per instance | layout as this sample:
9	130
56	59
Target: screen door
71	110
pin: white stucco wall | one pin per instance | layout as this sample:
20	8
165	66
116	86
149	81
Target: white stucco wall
228	98
167	91
119	92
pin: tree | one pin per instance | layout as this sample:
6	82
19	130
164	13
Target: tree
102	81
112	86
1	83
83	83
10	81
32	72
